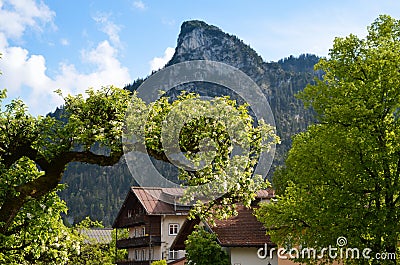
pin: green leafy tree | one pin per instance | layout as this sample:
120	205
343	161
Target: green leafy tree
34	151
341	177
92	252
33	154
50	144
38	235
88	223
211	131
118	254
41	147
202	248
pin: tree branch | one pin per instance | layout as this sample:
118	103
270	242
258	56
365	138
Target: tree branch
46	183
92	158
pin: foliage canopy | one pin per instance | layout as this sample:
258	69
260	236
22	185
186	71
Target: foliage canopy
341	177
202	248
34	151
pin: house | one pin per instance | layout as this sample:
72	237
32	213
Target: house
154	218
158	227
241	235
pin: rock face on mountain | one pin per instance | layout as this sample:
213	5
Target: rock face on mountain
99	192
200	41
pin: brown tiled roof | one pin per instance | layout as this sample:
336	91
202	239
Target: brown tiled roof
243	230
154	200
158	200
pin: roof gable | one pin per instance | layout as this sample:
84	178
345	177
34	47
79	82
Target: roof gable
153	201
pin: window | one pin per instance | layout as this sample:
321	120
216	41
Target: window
136	254
129	213
173	229
143	231
143	254
173	254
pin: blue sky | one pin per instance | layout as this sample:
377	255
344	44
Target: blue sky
73	45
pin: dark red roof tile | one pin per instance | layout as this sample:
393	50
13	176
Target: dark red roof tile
241	230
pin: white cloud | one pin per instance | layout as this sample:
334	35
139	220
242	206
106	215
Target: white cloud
139	5
64	42
25	75
108	27
3	41
168	22
17	15
20	69
107	70
159	62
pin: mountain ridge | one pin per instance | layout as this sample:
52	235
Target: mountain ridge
99	192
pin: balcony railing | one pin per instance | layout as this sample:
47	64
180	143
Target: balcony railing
133	220
135	242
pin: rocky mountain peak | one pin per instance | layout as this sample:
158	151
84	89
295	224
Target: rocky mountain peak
191	25
200	41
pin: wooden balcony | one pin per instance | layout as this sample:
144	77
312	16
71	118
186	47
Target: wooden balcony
134	220
136	242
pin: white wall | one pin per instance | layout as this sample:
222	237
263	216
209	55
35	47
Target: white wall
168	239
248	256
156	253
